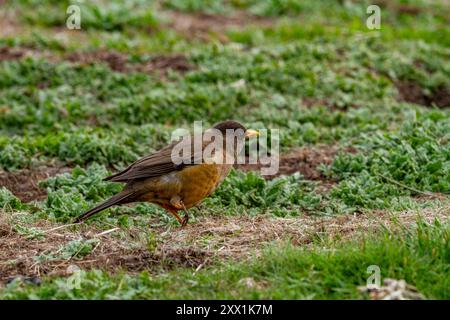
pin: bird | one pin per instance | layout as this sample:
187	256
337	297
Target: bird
157	179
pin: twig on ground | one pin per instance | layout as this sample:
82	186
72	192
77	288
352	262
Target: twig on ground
59	227
430	194
106	232
206	260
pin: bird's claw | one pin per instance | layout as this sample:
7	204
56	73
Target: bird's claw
184	221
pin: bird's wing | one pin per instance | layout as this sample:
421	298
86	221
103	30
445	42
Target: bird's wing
155	165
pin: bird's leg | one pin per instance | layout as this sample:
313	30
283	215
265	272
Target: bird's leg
186	215
174	213
176	202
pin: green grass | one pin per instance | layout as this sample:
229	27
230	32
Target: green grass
413	161
97	15
75	96
325	270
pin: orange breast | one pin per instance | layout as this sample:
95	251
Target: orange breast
198	182
191	184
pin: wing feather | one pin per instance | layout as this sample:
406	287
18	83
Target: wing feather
154	165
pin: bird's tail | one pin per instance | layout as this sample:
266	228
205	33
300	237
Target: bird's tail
123	197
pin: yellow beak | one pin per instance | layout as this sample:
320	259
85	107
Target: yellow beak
251	133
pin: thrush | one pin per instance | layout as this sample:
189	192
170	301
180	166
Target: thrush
175	186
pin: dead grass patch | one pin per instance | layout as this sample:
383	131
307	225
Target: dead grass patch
19	253
240	237
195	246
24	183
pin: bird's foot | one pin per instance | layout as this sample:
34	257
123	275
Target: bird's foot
177	203
185	220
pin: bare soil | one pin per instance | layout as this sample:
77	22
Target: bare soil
305	160
162	63
7	53
115	60
403	8
24	183
412	92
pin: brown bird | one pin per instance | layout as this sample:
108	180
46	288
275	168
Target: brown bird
157	179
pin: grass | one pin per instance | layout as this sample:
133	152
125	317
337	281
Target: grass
97	99
413	161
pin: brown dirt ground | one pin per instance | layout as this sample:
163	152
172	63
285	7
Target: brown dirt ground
115	60
7	53
411	92
162	63
402	8
16	53
305	160
159	64
22	52
24	183
195	246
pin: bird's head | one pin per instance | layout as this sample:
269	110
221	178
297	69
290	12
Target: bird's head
237	127
234	135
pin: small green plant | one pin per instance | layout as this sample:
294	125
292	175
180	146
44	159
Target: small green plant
412	161
71	194
106	16
75	249
29	232
250	191
206	6
10	202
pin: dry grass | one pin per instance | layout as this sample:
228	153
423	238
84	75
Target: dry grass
208	240
239	237
113	250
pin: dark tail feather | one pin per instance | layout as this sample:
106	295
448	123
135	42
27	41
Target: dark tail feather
116	175
116	199
110	178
